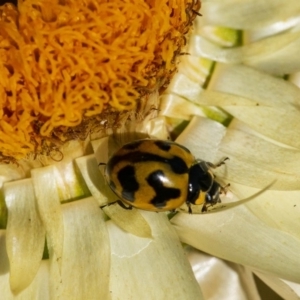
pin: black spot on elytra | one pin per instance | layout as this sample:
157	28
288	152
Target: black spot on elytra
162	194
176	163
126	177
163	145
133	145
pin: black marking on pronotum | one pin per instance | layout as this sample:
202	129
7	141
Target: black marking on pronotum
199	181
176	163
167	145
126	177
162	194
213	196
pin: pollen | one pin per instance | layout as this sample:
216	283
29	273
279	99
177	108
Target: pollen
65	62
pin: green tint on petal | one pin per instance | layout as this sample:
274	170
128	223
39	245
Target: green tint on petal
3	211
82	272
150	268
187	93
228	36
25	233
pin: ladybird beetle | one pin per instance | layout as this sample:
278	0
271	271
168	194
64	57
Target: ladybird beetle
159	175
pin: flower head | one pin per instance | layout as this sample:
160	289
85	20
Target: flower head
229	99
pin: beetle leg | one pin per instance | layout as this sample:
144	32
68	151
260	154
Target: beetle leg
224	189
204	207
214	166
189	207
118	202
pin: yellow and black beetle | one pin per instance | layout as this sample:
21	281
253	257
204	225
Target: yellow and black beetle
160	175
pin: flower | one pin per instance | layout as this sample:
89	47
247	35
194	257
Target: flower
138	253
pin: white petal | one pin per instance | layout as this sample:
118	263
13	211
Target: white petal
273	111
294	286
153	268
257	162
203	138
49	206
276	55
93	178
39	287
278	286
9	172
278	209
220	279
83	269
171	106
25	235
248	14
239	236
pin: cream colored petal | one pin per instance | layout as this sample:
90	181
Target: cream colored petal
264	89
294	286
278	209
137	226
200	46
203	138
248	14
276	101
256	162
239	236
183	85
49	206
278	286
39	287
253	161
276	55
25	235
93	178
171	106
82	272
153	268
9	172
220	279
